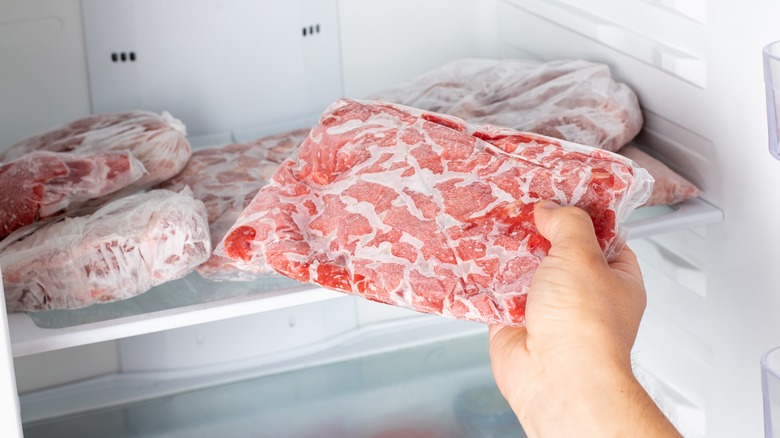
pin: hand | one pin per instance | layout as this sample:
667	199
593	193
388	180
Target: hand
568	371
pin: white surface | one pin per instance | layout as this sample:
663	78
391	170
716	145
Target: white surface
594	23
237	339
770	384
217	66
43	81
121	388
10	422
27	338
663	219
387	42
54	368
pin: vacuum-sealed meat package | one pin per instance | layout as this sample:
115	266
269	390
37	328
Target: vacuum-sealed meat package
226	178
122	250
574	100
426	211
41	185
158	141
670	187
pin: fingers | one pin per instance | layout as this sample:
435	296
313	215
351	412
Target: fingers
627	262
569	229
625	257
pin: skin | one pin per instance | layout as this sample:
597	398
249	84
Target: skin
568	371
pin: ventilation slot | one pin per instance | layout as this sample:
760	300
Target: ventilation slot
310	30
123	57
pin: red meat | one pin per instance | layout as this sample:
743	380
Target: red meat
41	185
570	99
158	141
425	211
670	187
122	250
226	179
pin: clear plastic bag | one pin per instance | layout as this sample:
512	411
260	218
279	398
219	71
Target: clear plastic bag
570	99
120	251
426	211
226	178
573	100
42	185
670	187
158	141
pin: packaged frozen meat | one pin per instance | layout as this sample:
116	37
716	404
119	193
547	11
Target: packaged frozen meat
570	99
226	178
122	250
41	184
426	211
670	187
158	141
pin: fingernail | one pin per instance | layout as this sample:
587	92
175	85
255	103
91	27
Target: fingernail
549	205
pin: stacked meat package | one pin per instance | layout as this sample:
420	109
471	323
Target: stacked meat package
420	197
226	179
573	100
124	249
76	229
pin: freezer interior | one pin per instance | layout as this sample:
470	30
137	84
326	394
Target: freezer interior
238	70
443	389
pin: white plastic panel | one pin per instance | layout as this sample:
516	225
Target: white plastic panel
690	154
43	78
10	421
120	388
647	221
387	42
692	9
238	339
58	367
553	30
770	383
629	31
92	325
217	66
683	408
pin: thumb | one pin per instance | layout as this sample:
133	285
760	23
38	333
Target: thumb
569	230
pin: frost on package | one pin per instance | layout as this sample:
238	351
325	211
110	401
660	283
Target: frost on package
159	141
42	185
226	179
122	250
424	211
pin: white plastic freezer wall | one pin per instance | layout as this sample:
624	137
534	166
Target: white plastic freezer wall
714	295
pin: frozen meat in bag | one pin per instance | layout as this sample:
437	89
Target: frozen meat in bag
226	178
42	185
670	187
158	140
570	99
122	250
426	211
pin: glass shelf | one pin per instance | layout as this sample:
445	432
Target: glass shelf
194	300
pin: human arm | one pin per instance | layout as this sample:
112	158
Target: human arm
568	371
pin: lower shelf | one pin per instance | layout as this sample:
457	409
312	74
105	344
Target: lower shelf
389	380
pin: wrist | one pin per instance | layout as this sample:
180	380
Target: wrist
588	401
